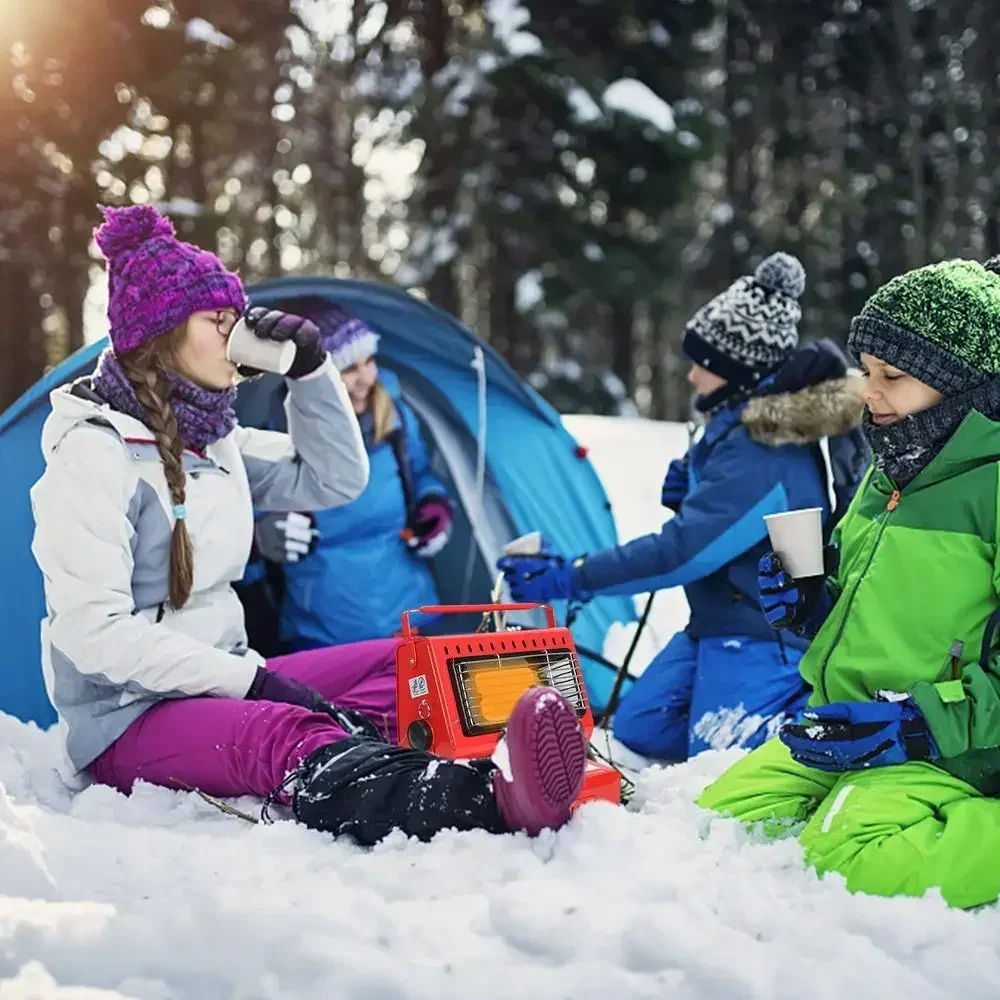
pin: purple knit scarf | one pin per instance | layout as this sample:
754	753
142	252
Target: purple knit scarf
203	415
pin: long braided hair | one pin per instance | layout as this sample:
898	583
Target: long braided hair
146	371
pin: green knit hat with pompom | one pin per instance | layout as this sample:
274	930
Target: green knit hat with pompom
939	323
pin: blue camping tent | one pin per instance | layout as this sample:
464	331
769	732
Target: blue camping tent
502	448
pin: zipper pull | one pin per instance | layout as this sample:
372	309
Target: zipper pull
893	501
955	655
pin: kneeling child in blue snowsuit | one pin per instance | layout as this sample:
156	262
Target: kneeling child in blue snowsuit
729	678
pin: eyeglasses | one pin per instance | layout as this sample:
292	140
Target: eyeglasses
225	320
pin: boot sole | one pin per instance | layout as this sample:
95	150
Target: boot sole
549	773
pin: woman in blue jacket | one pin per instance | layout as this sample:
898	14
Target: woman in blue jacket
348	573
729	678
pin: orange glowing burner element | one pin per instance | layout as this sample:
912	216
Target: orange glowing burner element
455	693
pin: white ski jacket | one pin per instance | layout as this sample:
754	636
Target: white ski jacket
112	647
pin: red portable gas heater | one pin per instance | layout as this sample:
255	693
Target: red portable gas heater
455	693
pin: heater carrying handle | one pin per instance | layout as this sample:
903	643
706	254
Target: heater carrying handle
462	609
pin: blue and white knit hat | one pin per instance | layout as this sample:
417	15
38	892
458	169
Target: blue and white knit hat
347	338
748	330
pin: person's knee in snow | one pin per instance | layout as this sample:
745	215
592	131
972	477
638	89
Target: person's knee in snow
652	718
744	689
710	694
656	735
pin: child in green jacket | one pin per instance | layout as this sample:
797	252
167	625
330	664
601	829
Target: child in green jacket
894	765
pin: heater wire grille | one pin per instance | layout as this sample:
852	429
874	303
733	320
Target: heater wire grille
555	668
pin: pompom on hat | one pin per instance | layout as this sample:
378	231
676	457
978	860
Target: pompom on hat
751	328
156	281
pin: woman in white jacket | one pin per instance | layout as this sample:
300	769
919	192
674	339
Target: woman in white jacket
143	519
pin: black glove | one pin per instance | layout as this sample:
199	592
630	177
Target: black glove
269	686
271	324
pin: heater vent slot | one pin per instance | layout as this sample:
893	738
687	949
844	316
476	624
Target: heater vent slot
487	687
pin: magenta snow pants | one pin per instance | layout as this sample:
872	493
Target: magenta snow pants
227	747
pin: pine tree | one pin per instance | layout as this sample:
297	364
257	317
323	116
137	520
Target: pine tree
570	142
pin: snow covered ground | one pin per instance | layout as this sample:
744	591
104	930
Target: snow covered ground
160	896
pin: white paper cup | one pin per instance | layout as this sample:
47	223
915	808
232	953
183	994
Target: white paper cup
247	349
797	539
524	545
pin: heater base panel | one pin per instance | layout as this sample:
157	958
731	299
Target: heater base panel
600	784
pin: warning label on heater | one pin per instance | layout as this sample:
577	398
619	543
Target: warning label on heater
418	686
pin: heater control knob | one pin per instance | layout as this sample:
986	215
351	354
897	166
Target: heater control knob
418	735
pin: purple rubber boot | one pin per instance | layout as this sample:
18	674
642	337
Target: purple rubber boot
548	756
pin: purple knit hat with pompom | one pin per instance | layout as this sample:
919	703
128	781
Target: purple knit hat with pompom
154	280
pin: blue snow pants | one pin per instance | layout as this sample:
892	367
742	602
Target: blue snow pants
710	694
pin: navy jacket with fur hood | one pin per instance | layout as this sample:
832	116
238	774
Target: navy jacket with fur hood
796	443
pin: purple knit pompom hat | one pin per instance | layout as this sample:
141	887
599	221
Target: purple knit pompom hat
154	280
346	338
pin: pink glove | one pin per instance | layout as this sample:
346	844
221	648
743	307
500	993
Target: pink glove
430	529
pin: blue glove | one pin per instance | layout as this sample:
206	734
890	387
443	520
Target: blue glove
801	605
543	577
675	485
853	735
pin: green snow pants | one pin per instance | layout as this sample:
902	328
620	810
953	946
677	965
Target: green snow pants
889	830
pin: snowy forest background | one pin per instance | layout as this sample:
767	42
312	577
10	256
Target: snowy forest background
570	177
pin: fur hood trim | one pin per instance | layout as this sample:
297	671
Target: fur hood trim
824	410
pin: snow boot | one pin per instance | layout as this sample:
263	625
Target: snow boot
365	789
548	757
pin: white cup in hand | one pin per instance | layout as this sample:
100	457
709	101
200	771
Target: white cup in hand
797	540
248	350
524	545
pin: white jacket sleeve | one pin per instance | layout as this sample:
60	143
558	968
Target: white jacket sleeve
82	545
322	461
